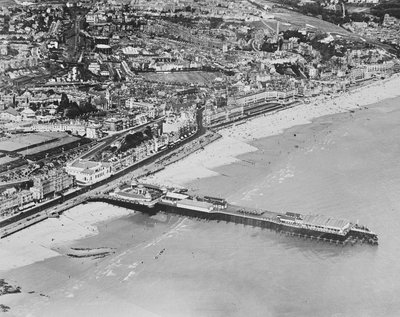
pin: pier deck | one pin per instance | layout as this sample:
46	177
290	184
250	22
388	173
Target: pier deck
239	215
229	213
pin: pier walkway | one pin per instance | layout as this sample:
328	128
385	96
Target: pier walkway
234	214
228	213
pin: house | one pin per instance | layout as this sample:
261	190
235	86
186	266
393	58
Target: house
28	114
94	68
10	114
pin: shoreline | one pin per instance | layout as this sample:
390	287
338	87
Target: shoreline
238	139
39	242
33	242
234	141
272	252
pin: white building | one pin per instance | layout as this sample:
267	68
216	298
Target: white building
87	172
93	131
312	72
76	129
28	114
94	68
265	96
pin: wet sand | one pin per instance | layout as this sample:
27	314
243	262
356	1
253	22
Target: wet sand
42	240
238	139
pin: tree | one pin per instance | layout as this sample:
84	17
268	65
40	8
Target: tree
148	132
64	103
73	110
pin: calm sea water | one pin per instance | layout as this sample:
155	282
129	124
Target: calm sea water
345	166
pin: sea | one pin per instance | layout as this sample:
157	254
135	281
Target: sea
345	166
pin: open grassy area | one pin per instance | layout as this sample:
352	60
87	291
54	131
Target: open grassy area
5	3
48	146
357	9
183	77
299	20
18	142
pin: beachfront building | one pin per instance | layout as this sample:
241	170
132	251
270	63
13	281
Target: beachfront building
15	202
265	96
246	105
379	68
145	149
88	172
135	192
48	185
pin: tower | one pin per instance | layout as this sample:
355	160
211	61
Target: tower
277	36
108	98
344	10
277	29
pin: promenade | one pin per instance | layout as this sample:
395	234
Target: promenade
140	169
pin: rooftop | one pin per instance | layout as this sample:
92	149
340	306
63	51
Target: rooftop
324	221
132	195
85	164
176	196
196	203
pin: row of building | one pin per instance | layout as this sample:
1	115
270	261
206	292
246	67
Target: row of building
89	172
44	187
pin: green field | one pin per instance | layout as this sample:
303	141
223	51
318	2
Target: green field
183	77
5	3
300	20
357	9
18	142
46	147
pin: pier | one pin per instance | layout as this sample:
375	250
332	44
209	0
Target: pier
228	213
238	215
153	199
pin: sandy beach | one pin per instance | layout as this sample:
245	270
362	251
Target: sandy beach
256	165
37	242
237	139
41	241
